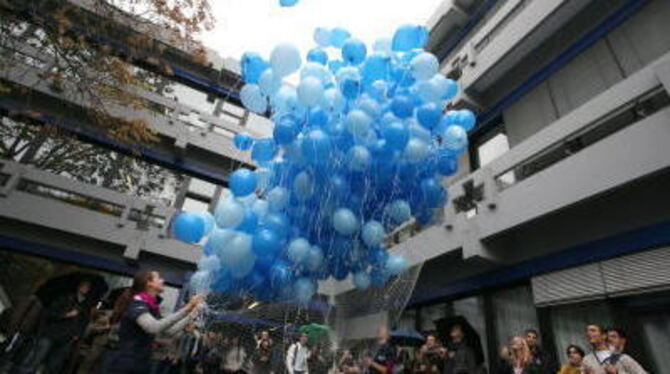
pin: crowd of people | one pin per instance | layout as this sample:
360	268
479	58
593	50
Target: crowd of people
72	336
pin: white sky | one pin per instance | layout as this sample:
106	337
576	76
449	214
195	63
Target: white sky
259	25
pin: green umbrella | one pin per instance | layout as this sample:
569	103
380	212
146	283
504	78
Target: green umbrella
315	332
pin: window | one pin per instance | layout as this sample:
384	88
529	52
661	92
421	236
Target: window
201	188
489	145
191	204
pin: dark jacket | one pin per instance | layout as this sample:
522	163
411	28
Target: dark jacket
543	361
461	360
61	329
504	367
135	344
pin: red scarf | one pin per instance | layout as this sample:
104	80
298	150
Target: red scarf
150	300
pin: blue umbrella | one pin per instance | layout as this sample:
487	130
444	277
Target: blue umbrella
407	337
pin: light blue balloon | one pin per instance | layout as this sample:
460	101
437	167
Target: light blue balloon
277	198
399	211
253	99
359	158
317	55
188	227
285	59
316	146
424	66
345	222
396	264
244	267
304	290
362	280
314	259
288	3
310	91
260	208
377	90
200	282
237	251
446	87
455	138
209	263
416	150
252	66
369	106
429	115
298	250
303	186
268	83
285	100
428	91
420	132
219	238
373	234
210	223
333	101
354	51
322	36
316	70
243	182
243	141
409	37
338	36
229	213
358	123
382	45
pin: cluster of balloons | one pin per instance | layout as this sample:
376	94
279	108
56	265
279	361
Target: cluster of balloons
359	147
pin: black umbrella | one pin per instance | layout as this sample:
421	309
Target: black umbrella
472	339
409	337
68	283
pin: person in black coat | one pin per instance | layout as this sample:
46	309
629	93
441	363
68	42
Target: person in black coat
64	322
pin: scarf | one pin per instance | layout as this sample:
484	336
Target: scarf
151	301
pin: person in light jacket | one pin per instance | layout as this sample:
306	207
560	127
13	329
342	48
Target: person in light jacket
297	356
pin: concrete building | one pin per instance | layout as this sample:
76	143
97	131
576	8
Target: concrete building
559	216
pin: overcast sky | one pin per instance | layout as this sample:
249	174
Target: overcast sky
258	25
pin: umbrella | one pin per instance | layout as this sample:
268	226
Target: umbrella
317	333
409	337
472	339
68	283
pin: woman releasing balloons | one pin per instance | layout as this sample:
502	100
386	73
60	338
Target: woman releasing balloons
360	145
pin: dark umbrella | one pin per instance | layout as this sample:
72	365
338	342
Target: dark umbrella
68	283
409	337
472	339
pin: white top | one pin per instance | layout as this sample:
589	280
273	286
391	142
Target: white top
296	358
603	355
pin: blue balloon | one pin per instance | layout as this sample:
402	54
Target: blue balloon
237	251
335	65
317	117
431	192
218	239
446	87
429	115
317	55
338	36
253	99
345	222
447	164
252	66
466	119
378	277
424	66
243	141
260	207
349	81
243	182
310	91
288	3
322	36
277	222
376	67
455	138
280	274
188	227
359	158
249	223
268	83
286	130
316	146
304	289
373	234
409	37
396	264
266	242
362	280
263	150
243	268
399	211
354	51
396	135
402	106
298	250
285	59
229	213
